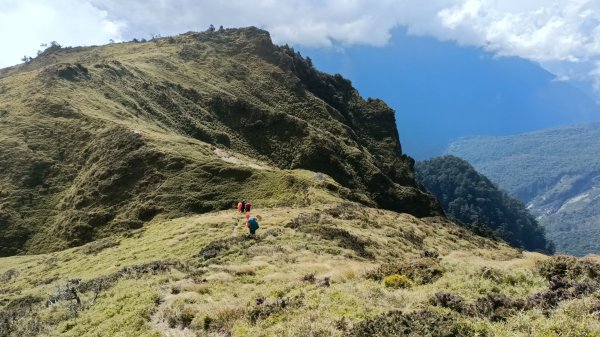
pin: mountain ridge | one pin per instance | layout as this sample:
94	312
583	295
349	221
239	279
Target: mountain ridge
101	136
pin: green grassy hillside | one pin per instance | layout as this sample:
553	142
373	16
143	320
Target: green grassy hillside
120	167
323	270
99	140
474	201
554	172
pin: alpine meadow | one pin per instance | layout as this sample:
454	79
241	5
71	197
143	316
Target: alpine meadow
121	167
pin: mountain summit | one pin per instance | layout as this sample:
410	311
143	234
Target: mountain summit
99	140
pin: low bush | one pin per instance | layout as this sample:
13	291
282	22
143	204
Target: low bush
397	281
447	300
493	306
420	270
415	324
569	267
497	307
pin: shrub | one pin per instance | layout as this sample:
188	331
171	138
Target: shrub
421	323
310	278
569	267
549	299
420	270
447	300
493	306
432	254
397	281
497	307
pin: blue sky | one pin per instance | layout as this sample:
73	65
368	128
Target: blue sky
442	91
480	62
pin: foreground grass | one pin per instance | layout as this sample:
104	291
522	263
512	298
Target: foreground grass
311	271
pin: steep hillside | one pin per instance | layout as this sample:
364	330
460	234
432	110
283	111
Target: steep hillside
556	172
99	140
473	200
324	270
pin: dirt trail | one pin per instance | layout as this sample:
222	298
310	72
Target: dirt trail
226	156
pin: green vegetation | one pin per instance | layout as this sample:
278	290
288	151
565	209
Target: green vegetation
397	281
472	200
100	140
121	166
555	172
201	275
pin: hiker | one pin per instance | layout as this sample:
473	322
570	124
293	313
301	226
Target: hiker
243	205
240	206
252	224
247	208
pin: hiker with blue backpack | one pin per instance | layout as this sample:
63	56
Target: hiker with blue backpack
252	223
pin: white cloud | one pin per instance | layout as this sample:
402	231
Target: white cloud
563	35
24	25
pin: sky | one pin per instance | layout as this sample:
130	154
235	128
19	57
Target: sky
561	35
442	91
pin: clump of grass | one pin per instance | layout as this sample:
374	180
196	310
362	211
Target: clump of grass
397	281
267	307
219	321
99	245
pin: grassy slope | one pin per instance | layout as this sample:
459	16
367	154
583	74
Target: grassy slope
215	294
554	172
99	140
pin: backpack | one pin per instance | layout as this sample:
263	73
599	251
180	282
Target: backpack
252	223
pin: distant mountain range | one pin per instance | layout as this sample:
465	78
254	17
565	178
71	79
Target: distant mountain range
442	91
556	172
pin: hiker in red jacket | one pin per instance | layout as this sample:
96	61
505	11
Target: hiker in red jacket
240	206
248	205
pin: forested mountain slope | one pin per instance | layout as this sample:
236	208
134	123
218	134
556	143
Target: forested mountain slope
555	172
473	200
